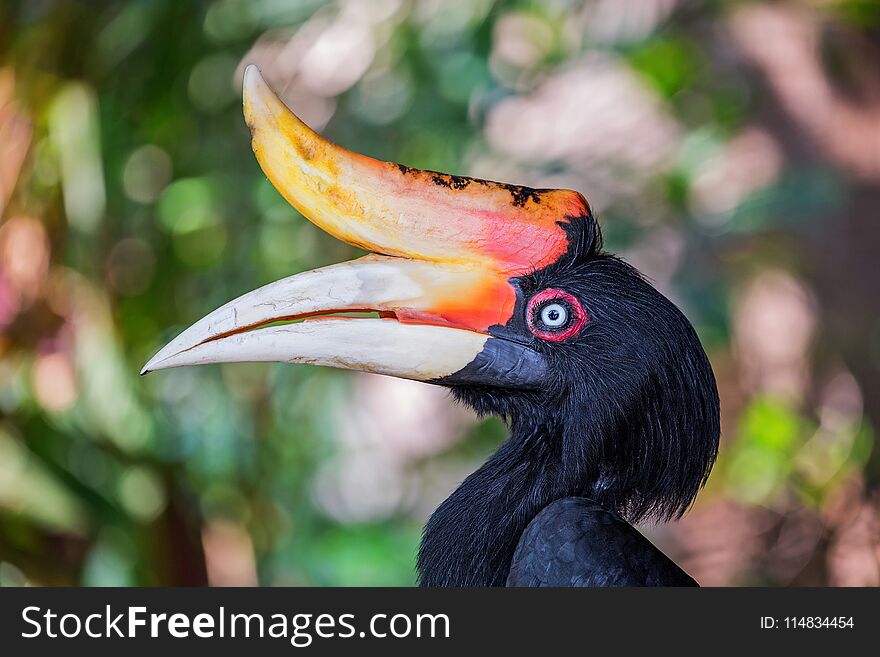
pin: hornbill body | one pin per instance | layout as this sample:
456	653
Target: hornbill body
504	295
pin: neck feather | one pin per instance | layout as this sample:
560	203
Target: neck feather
471	537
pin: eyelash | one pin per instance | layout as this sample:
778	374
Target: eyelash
577	315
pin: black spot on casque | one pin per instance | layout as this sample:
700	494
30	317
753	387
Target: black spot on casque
451	182
522	194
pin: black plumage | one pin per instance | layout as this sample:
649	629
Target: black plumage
627	417
576	542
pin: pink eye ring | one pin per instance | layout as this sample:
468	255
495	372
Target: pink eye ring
555	315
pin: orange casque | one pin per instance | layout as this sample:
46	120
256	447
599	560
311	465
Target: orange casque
493	231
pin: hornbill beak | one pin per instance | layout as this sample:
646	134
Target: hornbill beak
444	249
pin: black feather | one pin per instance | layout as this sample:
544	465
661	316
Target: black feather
577	542
627	417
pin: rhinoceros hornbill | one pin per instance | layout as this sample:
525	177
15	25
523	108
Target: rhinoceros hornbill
503	294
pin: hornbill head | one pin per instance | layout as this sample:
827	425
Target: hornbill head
500	292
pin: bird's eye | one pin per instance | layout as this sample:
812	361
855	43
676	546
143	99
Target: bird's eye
555	315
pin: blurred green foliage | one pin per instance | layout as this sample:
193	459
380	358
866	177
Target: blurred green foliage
140	197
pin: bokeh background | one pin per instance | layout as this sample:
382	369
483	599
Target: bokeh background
730	149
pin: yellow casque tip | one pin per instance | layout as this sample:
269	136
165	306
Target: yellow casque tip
252	76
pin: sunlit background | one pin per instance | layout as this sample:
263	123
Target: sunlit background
730	149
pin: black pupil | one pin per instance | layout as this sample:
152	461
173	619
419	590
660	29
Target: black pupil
553	315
